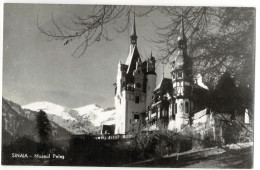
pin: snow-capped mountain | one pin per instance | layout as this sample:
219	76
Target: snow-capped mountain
86	119
50	108
96	115
18	123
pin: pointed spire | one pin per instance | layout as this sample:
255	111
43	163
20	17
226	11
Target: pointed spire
182	40
163	72
133	36
182	31
134	28
151	57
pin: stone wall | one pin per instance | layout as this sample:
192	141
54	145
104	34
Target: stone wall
210	129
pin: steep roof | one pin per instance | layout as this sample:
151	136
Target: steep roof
132	58
164	86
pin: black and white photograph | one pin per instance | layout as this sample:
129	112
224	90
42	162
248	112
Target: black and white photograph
128	85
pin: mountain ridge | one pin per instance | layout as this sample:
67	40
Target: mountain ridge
82	120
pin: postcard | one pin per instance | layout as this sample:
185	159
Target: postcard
128	86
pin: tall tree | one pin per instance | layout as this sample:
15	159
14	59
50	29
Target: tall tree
225	96
44	130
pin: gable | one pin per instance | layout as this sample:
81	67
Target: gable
132	59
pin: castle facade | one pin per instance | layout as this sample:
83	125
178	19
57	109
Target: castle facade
173	104
136	80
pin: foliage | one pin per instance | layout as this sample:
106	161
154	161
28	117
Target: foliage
225	96
100	152
44	130
230	133
160	143
144	143
219	38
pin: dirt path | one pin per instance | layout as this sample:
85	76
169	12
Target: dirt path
209	158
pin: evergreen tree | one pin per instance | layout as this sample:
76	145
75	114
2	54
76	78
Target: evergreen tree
225	95
44	130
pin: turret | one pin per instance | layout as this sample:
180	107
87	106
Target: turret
182	68
151	65
151	80
138	76
182	82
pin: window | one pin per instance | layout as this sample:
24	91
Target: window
115	90
175	108
136	117
164	113
137	98
187	107
138	85
179	75
173	116
173	75
247	118
173	64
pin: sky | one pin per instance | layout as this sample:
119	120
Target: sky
36	69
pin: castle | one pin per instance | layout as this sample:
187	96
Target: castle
171	105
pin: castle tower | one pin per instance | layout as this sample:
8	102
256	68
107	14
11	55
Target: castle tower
182	82
130	90
151	80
